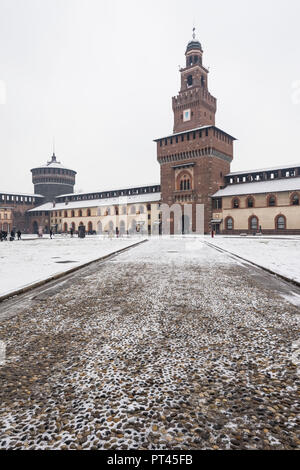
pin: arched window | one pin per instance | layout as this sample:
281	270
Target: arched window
250	202
124	210
185	183
141	209
88	213
65	214
236	203
295	199
73	214
280	222
107	212
229	223
253	223
65	227
132	210
90	227
80	213
271	201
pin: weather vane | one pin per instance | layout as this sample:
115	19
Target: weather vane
194	34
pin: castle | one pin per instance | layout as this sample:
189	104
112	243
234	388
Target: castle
194	169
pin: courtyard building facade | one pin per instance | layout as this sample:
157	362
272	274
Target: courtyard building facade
195	170
261	201
137	212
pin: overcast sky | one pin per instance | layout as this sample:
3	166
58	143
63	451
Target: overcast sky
99	75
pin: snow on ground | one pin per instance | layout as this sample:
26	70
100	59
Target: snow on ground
31	260
169	346
279	255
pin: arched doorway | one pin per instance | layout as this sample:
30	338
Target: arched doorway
35	227
99	228
122	227
186	229
65	227
90	228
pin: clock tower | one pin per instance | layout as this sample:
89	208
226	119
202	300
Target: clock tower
194	159
194	106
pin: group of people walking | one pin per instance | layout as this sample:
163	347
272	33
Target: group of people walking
4	234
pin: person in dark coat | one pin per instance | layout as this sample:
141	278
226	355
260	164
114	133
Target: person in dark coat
51	233
19	234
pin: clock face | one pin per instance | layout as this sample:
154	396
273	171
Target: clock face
187	115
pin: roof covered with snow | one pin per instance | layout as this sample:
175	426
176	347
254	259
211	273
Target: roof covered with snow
53	163
109	189
137	199
7	193
285	166
260	187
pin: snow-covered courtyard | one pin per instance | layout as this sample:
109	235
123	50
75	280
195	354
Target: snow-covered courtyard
170	345
280	255
32	260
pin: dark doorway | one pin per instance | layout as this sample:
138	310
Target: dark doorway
185	225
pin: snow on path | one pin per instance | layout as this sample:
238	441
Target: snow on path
279	255
169	346
23	263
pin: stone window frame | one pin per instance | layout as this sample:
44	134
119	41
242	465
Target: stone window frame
293	195
226	223
253	216
233	201
268	200
277	219
250	198
180	178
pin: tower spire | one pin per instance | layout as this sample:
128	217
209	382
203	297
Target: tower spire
53	156
194	34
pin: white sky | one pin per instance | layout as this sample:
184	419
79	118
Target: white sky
99	76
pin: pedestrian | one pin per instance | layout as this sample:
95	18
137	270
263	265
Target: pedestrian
12	235
51	234
19	234
71	232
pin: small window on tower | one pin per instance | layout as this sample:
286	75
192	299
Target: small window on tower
190	80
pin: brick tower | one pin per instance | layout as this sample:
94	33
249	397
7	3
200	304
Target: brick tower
196	157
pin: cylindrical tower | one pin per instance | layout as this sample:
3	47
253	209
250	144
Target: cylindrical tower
53	179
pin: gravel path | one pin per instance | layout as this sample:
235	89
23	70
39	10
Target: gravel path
169	346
